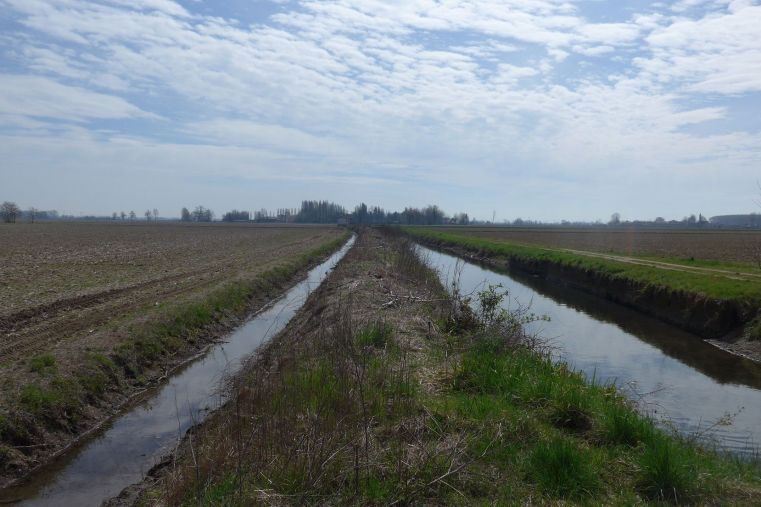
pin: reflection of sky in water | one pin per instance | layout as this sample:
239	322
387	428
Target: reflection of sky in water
689	382
124	452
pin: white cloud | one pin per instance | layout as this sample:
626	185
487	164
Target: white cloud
471	92
718	53
42	97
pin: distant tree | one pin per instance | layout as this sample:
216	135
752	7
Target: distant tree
114	216
518	222
692	219
185	215
360	213
201	214
32	214
262	215
9	211
123	215
132	215
155	214
319	212
236	216
433	215
148	215
615	219
702	220
660	220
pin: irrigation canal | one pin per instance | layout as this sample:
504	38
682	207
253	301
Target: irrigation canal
681	380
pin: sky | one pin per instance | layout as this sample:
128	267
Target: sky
540	109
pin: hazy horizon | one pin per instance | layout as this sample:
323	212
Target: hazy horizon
539	109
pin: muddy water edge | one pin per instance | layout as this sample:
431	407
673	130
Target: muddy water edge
121	452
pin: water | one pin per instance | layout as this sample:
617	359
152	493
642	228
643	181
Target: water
681	380
122	453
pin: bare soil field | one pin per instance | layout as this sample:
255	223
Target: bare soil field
78	298
709	245
64	282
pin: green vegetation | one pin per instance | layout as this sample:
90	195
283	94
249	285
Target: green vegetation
182	326
714	286
43	364
562	469
364	413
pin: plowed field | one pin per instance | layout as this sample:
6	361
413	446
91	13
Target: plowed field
65	285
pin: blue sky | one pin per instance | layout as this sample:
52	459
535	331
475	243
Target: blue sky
538	109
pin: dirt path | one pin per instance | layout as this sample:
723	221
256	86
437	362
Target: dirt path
734	275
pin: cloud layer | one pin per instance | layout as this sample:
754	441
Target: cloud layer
540	108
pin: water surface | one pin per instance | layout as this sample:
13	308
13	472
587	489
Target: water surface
682	380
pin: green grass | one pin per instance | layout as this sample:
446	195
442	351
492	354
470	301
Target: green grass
621	425
576	440
43	364
375	335
501	425
714	286
561	468
668	471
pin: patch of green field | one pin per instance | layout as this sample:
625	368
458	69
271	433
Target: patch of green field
711	285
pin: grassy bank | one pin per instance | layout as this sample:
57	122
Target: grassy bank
47	413
383	390
709	285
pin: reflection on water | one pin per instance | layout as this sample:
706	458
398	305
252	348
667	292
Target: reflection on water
677	376
134	442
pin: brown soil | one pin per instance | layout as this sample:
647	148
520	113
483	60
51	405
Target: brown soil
63	282
71	289
743	347
727	246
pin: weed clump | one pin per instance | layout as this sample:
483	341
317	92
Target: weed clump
375	335
43	364
667	471
561	469
621	425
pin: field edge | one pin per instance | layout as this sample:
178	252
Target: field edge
47	421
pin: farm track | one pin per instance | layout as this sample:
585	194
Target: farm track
732	246
734	275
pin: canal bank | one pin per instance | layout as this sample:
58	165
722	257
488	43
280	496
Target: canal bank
121	449
384	390
700	312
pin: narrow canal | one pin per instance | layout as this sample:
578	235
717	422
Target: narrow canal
684	382
124	451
